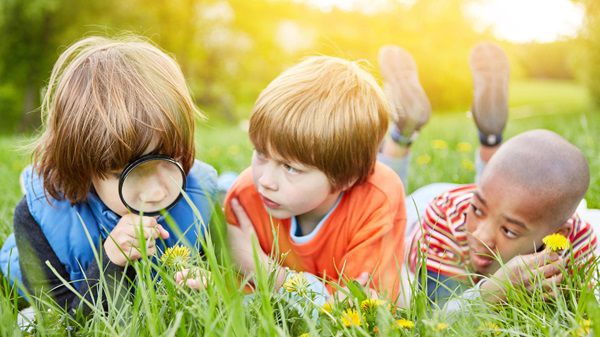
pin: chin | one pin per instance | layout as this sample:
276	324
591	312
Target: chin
279	214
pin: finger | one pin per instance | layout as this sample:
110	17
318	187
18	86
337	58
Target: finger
163	233
240	214
148	221
194	283
550	270
363	278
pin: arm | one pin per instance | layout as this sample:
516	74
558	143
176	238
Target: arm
34	250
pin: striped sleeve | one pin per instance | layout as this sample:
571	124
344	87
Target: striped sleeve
583	240
436	240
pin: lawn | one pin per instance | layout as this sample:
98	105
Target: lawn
444	151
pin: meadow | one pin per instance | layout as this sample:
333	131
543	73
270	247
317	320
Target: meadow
444	151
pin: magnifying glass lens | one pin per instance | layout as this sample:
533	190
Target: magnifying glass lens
151	185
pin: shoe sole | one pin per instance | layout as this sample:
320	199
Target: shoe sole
490	68
409	103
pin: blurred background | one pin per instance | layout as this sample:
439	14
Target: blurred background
230	50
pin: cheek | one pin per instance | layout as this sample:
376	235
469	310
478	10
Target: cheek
471	222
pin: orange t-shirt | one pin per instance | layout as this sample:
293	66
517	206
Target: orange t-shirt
364	233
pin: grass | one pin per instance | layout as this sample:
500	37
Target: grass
444	151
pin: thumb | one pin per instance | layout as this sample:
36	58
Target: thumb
162	232
243	220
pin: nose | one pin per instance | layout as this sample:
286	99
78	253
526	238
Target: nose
153	194
267	178
485	235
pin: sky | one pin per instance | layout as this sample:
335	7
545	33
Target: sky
513	20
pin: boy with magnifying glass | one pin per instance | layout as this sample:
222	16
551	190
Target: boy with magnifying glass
116	152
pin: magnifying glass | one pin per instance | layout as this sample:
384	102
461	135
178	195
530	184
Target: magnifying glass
151	184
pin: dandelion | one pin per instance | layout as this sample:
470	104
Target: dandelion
441	327
405	323
371	304
306	334
233	150
493	327
296	283
468	165
423	159
584	328
463	147
176	256
556	242
439	144
327	307
350	317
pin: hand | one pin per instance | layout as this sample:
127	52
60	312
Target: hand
524	270
240	242
193	279
122	244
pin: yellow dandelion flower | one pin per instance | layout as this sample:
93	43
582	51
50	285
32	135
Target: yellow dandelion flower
439	144
371	304
327	307
556	242
296	283
176	256
468	165
306	334
405	324
441	327
233	150
423	159
493	327
584	328
350	317
463	147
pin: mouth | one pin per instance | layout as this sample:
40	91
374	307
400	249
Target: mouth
481	260
269	203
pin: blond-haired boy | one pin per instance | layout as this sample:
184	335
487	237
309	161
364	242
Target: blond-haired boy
314	192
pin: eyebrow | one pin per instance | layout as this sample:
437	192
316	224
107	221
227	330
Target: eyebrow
509	219
516	222
478	196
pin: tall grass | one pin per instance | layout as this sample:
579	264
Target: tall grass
154	305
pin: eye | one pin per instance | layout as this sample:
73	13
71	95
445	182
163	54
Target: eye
509	233
477	211
290	169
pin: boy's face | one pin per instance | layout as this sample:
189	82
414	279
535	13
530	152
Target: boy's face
152	187
505	220
291	189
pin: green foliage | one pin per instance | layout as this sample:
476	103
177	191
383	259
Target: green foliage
591	48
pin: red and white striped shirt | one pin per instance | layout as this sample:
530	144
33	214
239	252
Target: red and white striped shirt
442	238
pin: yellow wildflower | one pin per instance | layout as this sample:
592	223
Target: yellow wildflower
556	242
463	147
441	326
306	334
350	317
405	324
371	304
233	150
423	159
493	327
176	256
296	283
584	328
468	165
439	144
327	307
